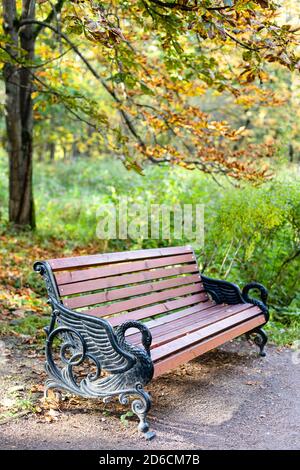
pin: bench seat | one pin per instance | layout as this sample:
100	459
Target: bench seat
182	336
137	315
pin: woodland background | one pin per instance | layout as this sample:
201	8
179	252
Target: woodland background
163	102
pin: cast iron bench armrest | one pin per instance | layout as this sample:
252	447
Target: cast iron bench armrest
229	293
94	339
116	336
262	304
93	331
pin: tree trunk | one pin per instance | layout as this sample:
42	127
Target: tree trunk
40	152
19	114
64	153
52	151
291	152
90	131
75	153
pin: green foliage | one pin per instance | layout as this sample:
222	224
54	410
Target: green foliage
124	417
256	232
137	79
282	333
31	325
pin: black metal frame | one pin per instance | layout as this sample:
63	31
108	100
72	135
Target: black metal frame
224	292
127	368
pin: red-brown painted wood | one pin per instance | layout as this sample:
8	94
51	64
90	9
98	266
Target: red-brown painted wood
169	331
106	258
118	294
163	365
193	326
162	308
210	330
125	305
168	319
126	279
118	269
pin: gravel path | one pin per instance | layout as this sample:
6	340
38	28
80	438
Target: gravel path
227	399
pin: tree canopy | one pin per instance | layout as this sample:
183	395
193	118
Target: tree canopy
139	75
157	59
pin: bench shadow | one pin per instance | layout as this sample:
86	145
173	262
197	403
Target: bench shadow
199	376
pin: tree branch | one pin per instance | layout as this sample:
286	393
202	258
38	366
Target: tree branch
125	116
183	7
54	11
174	5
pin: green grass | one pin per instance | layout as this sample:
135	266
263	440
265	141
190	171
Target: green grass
283	334
31	325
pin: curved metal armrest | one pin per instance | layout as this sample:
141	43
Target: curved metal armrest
222	292
88	338
262	304
77	321
145	332
116	336
144	369
59	308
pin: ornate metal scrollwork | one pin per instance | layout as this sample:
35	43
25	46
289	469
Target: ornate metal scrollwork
222	292
262	304
64	378
44	269
229	293
260	338
121	369
140	406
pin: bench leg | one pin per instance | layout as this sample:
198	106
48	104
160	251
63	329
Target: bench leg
57	393
140	406
260	338
123	385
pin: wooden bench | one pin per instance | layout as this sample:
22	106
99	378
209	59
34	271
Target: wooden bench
135	315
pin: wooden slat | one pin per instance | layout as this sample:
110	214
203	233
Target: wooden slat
138	289
169	331
184	313
188	340
117	281
118	307
200	298
195	325
164	365
83	261
116	270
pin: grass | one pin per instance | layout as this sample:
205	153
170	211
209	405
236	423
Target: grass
251	233
31	326
283	334
16	401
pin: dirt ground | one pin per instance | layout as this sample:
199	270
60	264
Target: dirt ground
227	399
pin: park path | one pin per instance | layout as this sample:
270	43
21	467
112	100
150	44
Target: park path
227	399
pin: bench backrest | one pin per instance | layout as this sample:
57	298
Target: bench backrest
138	284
